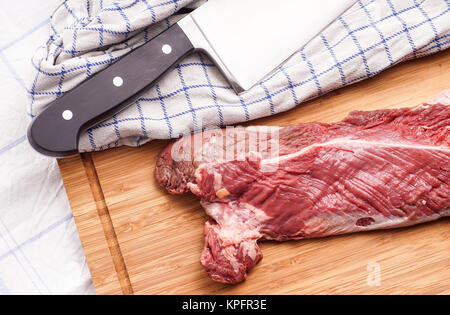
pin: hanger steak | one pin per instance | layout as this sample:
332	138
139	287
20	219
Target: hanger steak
373	170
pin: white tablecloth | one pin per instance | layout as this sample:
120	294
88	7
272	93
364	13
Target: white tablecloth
40	251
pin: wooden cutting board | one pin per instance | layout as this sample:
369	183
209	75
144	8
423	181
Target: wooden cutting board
139	239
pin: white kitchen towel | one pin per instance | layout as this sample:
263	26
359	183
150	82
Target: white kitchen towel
40	250
88	35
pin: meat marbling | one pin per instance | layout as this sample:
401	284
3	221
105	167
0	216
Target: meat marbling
373	170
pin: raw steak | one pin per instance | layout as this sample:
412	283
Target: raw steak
373	170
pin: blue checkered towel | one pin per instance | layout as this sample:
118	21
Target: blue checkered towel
88	35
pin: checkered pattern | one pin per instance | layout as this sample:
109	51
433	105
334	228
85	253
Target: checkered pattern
40	250
89	35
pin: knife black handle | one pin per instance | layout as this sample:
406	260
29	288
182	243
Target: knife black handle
55	132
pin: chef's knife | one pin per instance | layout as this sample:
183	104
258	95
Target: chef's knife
246	39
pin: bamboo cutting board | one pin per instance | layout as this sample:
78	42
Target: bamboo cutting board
140	240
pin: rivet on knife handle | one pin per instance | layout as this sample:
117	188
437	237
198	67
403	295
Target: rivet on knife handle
56	130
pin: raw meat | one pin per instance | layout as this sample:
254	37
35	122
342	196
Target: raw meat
373	170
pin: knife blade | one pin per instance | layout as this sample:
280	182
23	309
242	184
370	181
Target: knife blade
246	39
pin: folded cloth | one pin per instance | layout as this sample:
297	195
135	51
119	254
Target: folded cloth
87	36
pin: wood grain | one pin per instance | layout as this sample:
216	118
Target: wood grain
159	237
108	227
